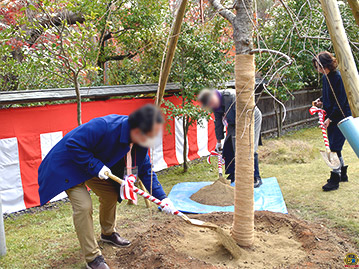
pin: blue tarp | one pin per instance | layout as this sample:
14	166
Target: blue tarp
267	197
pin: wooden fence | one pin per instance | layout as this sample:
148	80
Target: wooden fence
297	109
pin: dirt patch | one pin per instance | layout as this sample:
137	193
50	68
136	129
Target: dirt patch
282	241
220	193
287	151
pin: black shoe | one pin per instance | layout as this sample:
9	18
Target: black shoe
257	182
116	240
98	263
344	175
333	182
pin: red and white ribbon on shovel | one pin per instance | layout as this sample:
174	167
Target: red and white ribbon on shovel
321	115
220	161
331	158
127	191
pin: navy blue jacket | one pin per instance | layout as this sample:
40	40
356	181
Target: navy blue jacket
227	109
80	155
330	105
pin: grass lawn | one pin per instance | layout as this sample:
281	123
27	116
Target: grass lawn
47	239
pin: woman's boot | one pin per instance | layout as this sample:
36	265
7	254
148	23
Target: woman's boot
333	182
343	174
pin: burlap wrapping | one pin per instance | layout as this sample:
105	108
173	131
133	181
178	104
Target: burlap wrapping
243	222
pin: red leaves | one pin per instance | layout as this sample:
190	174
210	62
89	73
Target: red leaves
14	43
11	11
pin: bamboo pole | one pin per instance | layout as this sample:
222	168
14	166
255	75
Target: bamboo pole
343	53
142	187
354	5
172	44
2	233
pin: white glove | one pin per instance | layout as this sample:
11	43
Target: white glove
169	207
218	147
101	174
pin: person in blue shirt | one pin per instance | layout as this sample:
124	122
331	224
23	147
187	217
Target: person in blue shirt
82	158
335	103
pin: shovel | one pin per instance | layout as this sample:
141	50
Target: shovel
330	158
226	240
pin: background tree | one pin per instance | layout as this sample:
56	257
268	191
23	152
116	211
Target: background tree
22	23
63	50
127	29
123	30
201	60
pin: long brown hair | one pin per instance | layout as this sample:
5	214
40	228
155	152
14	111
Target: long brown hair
326	60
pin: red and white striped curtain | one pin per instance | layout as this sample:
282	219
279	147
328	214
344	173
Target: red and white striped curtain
27	135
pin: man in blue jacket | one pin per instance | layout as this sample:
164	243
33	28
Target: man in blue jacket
84	156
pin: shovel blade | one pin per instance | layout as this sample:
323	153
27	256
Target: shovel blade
331	159
201	223
196	222
225	239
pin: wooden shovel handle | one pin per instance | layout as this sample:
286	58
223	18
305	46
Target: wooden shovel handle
114	178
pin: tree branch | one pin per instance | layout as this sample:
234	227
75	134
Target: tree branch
120	57
47	21
225	13
287	9
281	54
110	35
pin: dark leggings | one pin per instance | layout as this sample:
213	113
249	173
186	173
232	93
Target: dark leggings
339	153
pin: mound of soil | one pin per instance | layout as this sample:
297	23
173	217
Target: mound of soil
220	193
281	241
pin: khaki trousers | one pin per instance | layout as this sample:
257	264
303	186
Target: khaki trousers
82	213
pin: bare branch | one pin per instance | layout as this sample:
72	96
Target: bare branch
225	13
281	54
306	36
120	57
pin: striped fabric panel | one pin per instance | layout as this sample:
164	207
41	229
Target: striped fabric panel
11	192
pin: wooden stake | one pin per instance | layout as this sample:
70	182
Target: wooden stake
343	53
172	44
354	5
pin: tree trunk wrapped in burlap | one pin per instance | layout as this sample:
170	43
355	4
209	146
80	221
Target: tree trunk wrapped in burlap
243	224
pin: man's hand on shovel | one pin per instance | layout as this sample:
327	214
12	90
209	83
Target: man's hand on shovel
169	208
103	171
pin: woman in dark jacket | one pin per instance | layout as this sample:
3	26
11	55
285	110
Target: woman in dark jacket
335	102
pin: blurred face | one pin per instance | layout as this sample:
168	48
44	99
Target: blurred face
146	140
321	69
214	102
